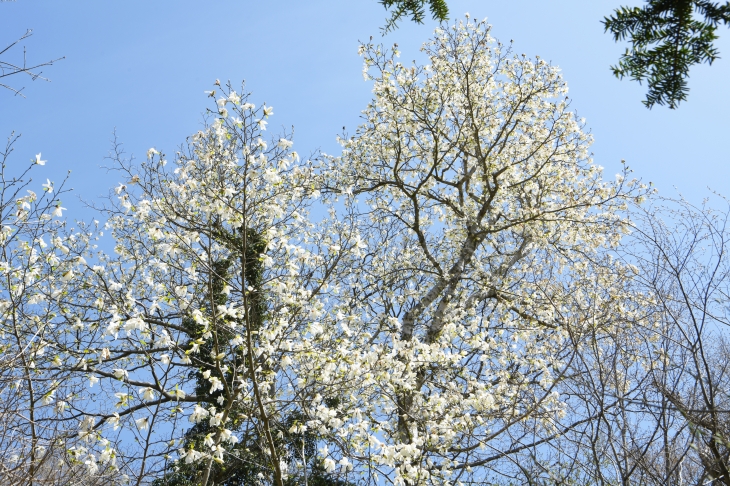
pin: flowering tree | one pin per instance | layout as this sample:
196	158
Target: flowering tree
41	258
486	268
408	312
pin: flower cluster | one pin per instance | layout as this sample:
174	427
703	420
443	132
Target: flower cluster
410	306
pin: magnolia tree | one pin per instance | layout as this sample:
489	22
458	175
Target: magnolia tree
41	260
488	229
409	312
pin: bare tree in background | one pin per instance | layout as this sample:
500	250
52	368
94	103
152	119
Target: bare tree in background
685	268
10	68
650	401
658	394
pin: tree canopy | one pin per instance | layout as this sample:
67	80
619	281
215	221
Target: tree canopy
458	297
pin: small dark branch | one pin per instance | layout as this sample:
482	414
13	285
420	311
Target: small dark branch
33	70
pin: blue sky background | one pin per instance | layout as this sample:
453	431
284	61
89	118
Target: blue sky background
142	67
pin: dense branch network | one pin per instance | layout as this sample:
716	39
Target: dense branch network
458	297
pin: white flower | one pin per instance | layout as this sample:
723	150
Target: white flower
262	124
191	456
92	380
48	186
329	465
284	143
227	436
142	423
181	291
316	328
91	466
215	420
48	398
107	455
268	110
58	211
271	176
199	413
151	152
165	359
61	406
122	399
114	420
215	384
113	329
164	340
39	161
134	323
121	374
147	393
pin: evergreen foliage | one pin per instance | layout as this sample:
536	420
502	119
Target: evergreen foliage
416	9
667	37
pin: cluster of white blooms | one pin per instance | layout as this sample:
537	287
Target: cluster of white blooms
420	324
43	265
483	230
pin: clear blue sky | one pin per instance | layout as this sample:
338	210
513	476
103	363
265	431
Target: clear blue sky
142	67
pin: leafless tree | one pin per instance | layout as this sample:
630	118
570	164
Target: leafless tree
684	267
649	401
